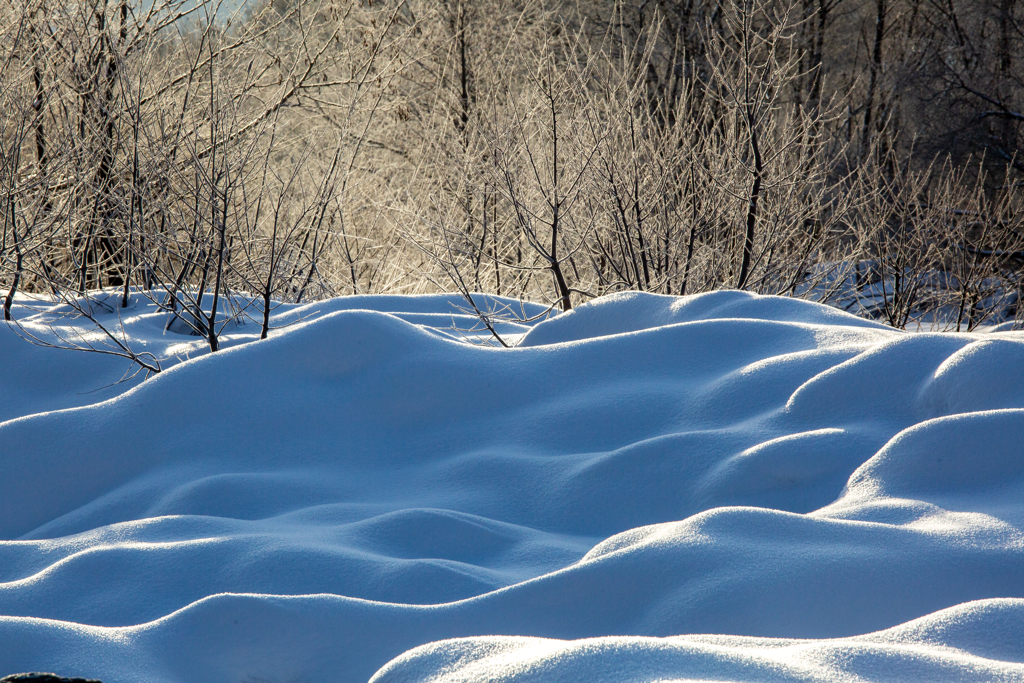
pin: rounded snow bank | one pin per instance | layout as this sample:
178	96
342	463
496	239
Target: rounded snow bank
634	311
970	455
978	641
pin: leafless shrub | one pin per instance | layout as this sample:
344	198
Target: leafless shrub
216	162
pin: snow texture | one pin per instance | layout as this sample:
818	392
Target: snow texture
368	492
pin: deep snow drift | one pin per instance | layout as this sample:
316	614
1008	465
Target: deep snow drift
836	500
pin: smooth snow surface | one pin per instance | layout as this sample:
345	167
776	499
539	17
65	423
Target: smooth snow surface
368	492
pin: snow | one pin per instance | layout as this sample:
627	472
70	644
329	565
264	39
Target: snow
718	487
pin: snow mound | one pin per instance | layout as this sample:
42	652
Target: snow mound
836	500
979	641
634	311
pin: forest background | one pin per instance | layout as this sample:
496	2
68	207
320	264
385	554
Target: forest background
219	159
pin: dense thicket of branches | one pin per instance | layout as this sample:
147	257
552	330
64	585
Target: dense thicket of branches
860	152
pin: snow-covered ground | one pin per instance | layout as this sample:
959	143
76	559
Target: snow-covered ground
722	487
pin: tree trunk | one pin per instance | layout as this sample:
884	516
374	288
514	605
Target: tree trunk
876	67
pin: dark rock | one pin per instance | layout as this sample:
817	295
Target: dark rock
37	677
